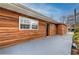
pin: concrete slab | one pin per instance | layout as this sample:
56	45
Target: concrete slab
52	45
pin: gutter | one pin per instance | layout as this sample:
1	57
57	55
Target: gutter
19	8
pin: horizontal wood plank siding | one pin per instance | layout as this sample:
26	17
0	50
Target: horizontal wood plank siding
52	29
61	29
9	29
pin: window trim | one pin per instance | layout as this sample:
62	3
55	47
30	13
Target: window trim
30	24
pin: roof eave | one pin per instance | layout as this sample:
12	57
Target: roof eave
26	11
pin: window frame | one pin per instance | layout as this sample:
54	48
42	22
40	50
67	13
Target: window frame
30	23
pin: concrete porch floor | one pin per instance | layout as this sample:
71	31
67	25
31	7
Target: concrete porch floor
52	45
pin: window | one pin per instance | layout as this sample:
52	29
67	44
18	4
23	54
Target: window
24	26
34	24
26	23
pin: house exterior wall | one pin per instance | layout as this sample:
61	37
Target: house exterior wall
61	29
9	29
10	33
52	29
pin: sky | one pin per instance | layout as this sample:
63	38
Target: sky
53	10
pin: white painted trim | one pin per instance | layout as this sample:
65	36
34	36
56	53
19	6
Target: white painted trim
30	26
20	8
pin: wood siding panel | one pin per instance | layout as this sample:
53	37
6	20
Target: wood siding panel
61	29
8	13
52	29
9	29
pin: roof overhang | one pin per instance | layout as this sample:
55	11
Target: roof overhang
20	8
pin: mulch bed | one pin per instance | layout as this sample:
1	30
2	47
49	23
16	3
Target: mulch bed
74	51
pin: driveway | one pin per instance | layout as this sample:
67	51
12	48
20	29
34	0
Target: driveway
52	45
